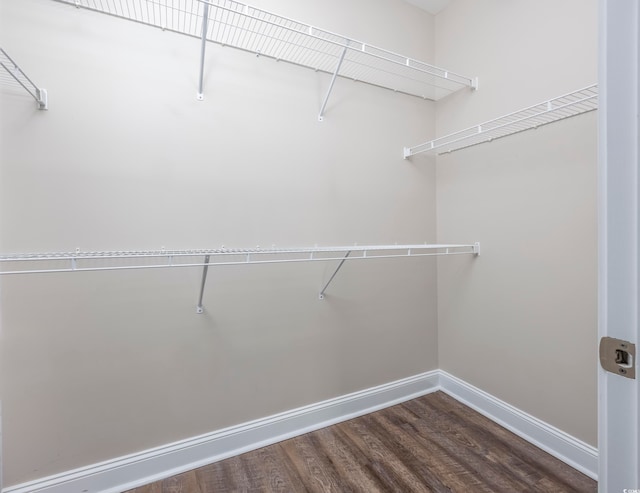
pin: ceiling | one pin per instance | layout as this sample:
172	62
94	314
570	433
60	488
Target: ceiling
431	6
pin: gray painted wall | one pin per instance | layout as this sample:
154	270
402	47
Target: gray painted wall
98	365
520	323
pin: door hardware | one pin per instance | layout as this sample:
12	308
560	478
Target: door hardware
618	356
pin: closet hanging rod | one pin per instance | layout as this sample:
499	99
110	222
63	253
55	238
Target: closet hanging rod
11	73
267	34
556	109
40	263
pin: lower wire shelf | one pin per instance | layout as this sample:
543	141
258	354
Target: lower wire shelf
79	261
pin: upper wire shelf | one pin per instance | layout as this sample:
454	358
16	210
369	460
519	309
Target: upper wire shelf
559	108
12	74
263	33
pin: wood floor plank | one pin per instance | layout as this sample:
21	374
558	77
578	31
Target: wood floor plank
314	468
491	457
438	470
388	468
213	478
181	483
349	462
279	476
429	444
544	465
235	475
474	456
501	453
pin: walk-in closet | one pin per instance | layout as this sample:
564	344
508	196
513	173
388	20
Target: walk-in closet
226	225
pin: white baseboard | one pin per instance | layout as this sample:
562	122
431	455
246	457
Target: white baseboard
134	470
151	465
568	449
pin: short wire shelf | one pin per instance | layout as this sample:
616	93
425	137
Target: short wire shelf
553	110
11	74
263	33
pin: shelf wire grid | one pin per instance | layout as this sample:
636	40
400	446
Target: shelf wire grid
32	263
266	34
11	74
553	110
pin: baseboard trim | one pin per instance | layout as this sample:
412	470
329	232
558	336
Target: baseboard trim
135	470
561	445
151	465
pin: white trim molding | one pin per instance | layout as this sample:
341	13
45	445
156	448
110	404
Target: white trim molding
135	470
561	445
158	463
619	239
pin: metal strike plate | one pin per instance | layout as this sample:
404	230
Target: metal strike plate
618	356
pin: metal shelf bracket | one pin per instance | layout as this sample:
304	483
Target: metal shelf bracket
321	295
43	99
333	81
13	74
203	47
205	270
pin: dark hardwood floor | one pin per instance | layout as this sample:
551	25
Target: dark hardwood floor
432	443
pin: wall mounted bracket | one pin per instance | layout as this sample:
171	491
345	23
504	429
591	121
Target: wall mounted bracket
12	73
203	47
321	296
205	270
333	81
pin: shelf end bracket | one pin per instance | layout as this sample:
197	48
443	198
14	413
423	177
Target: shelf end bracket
43	99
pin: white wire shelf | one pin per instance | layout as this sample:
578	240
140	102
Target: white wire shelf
247	28
12	74
553	110
78	261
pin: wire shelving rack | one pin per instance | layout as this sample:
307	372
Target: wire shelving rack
231	23
78	261
12	74
553	110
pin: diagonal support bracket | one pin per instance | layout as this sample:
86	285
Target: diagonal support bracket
203	46
321	296
205	270
333	81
